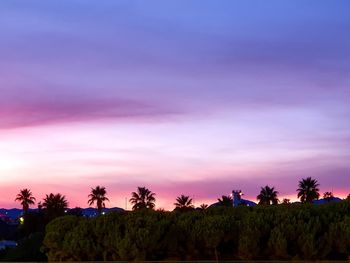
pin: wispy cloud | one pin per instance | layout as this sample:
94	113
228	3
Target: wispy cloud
52	111
197	99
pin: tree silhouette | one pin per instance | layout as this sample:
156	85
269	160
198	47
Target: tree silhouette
267	196
183	203
26	198
286	201
98	195
308	190
328	196
142	199
55	205
77	211
40	206
203	206
226	201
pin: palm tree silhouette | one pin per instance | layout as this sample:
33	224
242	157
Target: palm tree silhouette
226	201
26	198
328	196
286	201
268	196
203	206
55	205
98	195
142	199
183	202
308	190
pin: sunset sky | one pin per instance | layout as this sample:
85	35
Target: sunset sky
183	97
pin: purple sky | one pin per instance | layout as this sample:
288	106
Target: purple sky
184	97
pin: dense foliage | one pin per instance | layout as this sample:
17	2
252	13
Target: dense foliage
291	231
28	249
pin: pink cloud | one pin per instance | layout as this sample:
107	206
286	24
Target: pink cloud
51	111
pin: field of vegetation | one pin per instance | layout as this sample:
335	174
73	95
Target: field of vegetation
284	232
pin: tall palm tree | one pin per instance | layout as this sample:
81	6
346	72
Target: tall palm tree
142	199
226	201
98	195
308	190
55	205
267	196
26	198
183	202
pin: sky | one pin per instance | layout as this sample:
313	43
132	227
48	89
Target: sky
184	97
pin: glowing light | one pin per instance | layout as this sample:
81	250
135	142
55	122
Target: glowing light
7	163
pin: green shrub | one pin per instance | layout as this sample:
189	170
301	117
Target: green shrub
296	231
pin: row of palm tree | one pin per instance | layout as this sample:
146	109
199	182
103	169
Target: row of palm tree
143	198
307	192
56	203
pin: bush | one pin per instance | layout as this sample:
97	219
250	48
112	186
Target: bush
261	233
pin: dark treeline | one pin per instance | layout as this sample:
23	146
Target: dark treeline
284	232
225	230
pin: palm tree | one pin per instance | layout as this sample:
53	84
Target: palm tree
328	196
26	198
268	196
203	206
226	201
286	201
55	205
98	195
183	202
142	199
308	190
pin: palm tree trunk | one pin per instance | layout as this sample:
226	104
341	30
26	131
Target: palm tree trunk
216	255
